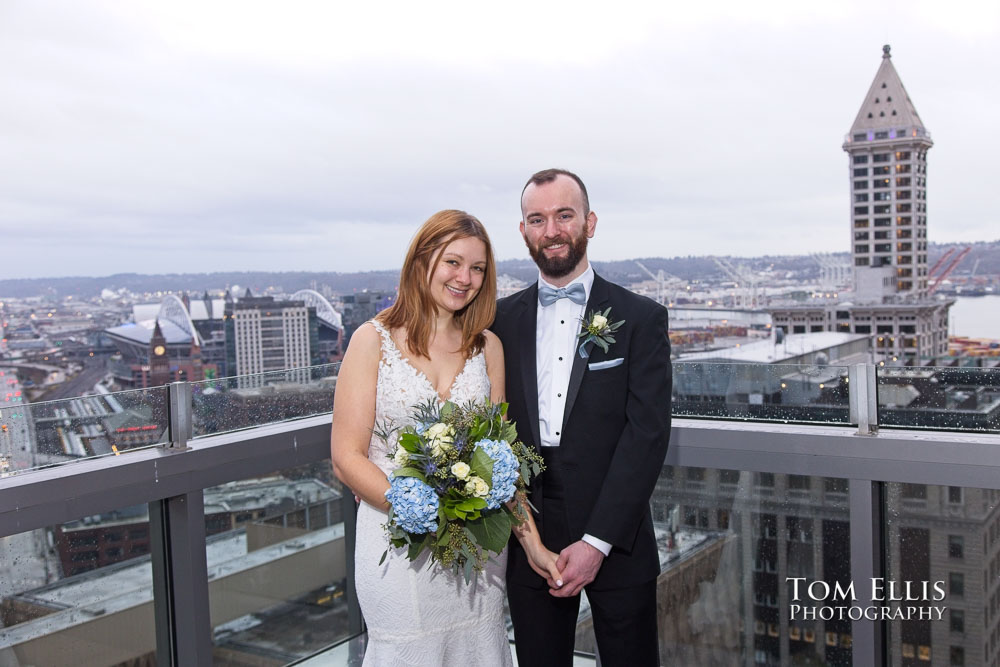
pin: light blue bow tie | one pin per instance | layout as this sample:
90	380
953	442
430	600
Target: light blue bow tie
576	293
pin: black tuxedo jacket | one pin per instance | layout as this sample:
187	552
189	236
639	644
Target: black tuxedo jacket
615	428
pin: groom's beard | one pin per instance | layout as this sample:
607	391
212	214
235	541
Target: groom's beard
557	267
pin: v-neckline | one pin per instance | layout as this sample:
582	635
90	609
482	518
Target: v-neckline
423	376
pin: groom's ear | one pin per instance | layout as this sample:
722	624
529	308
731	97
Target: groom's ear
591	224
520	227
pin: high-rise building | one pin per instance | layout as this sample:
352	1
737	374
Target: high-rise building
887	149
887	162
266	335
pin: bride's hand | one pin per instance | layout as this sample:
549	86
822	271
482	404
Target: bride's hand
543	562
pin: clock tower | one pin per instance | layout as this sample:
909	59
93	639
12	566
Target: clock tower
159	362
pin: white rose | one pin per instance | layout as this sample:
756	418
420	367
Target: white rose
401	457
599	322
477	486
461	470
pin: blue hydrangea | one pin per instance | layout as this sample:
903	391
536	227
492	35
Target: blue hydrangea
414	505
506	471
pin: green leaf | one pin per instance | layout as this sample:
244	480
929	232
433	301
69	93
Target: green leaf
491	531
482	465
409	472
384	554
414	550
470	504
410	442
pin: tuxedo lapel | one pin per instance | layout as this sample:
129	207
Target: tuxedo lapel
598	301
527	321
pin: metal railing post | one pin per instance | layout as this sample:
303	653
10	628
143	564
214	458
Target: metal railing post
349	515
867	562
180	409
863	398
180	581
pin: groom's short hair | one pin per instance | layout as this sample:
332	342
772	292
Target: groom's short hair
548	175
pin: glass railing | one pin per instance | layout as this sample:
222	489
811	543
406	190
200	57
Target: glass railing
233	403
34	435
277	561
963	399
79	593
761	392
944	549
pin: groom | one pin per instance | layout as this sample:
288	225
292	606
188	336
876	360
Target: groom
601	420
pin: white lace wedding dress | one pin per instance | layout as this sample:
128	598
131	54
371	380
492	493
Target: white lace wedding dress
418	613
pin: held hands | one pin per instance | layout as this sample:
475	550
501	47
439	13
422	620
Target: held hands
579	563
543	562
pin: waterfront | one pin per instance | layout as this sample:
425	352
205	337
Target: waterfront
975	317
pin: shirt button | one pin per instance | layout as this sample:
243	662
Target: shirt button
562	321
560	358
557	432
558	395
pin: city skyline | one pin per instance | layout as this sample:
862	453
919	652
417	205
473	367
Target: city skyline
169	139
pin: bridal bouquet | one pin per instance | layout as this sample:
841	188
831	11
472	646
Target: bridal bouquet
458	468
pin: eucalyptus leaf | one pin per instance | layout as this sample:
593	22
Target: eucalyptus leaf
491	531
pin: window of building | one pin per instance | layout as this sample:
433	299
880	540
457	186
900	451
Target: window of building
956	546
904	247
883	247
881	157
903	168
956	584
764	478
860	159
955	495
860	236
883	196
799	328
882	134
957	623
799	482
883	234
903	208
860	247
863	328
881	208
860	136
902	155
956	655
860	261
861	222
903	194
863	171
883	260
696	474
722	517
860	197
912	491
880	183
729	476
861	185
835	485
902	181
860	210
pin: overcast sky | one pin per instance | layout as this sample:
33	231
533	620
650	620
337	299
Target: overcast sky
179	136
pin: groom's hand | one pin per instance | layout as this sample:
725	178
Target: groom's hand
579	563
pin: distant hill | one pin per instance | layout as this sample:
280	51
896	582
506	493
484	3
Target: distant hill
985	257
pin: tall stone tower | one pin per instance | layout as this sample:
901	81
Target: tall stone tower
887	149
887	161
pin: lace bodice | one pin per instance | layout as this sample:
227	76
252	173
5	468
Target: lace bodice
401	386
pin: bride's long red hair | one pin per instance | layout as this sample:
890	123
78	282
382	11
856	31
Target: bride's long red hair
414	308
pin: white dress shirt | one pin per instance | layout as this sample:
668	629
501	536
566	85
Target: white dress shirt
558	337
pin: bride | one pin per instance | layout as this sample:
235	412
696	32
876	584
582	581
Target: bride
431	344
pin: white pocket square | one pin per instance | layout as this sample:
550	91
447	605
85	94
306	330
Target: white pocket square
610	363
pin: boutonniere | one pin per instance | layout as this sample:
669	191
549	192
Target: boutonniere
599	329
